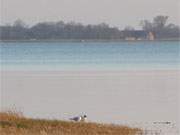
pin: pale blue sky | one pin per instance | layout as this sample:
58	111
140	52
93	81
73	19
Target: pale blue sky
114	12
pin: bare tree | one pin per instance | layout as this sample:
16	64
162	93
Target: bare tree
19	23
160	21
146	25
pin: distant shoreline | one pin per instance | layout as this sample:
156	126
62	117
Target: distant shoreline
88	40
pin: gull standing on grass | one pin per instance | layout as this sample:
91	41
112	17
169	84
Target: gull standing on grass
79	118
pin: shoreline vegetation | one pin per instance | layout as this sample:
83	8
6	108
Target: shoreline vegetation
16	124
156	30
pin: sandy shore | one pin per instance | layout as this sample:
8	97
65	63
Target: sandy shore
112	96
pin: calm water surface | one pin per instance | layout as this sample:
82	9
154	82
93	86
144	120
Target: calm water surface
117	96
90	56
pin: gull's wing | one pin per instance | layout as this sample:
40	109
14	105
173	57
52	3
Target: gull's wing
75	118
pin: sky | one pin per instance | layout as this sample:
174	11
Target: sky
118	13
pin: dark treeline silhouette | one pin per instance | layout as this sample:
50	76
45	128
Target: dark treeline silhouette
58	30
61	30
161	28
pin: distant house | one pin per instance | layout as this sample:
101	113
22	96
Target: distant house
151	36
132	35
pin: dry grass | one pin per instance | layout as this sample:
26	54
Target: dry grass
15	124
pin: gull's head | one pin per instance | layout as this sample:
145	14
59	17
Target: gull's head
83	118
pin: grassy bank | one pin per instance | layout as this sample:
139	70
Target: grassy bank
17	124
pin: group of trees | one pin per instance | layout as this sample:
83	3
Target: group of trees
58	30
61	30
161	28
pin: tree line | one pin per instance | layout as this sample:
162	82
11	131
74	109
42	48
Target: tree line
161	27
72	30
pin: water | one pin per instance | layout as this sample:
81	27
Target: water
130	83
89	56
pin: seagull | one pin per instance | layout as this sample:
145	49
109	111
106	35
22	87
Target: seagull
79	118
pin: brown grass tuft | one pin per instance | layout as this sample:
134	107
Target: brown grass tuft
16	124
